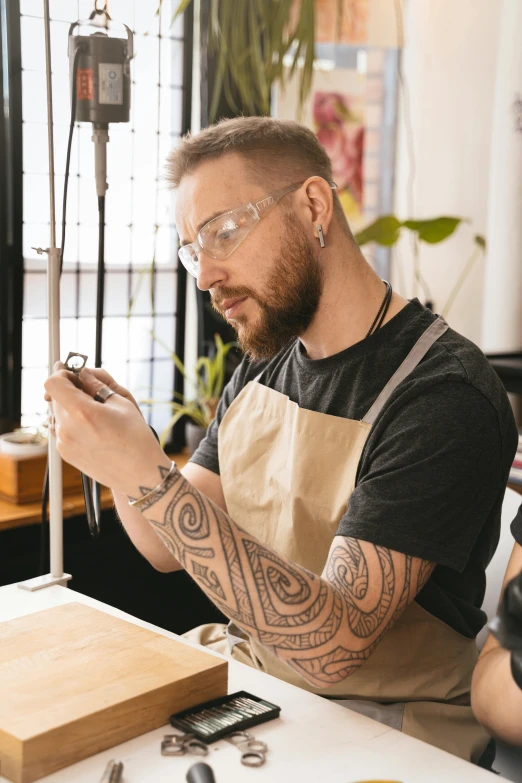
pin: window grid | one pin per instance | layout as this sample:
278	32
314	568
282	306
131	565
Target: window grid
139	209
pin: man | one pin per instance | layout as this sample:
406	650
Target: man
496	690
346	500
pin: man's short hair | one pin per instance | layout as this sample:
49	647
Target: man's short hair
276	152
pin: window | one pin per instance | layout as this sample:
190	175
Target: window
139	208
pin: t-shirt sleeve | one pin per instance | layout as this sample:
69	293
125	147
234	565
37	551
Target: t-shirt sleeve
516	527
431	471
206	454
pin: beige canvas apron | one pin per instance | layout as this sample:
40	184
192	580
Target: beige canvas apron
287	474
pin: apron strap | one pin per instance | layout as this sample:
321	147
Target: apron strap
414	358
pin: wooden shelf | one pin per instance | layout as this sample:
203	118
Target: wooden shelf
18	515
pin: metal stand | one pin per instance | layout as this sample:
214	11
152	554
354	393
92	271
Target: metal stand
57	576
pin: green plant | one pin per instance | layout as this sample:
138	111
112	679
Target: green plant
208	381
252	39
386	231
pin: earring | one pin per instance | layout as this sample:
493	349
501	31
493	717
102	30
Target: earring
321	235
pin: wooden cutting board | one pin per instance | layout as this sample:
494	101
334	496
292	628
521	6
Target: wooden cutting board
75	681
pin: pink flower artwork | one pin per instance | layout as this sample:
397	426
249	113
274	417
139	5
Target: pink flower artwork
339	128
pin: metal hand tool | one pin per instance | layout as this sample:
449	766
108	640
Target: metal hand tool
200	773
75	362
113	772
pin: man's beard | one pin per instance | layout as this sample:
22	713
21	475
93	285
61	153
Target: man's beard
289	302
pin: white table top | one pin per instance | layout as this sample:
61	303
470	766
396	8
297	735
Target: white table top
313	740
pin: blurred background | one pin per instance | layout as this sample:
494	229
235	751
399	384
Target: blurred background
419	105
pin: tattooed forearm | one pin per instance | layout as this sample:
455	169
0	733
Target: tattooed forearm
324	626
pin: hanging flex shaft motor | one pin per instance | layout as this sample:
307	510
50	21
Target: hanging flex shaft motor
100	79
100	94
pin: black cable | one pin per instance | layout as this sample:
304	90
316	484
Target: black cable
69	147
94	523
101	281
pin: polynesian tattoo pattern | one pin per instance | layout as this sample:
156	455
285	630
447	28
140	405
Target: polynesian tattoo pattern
324	626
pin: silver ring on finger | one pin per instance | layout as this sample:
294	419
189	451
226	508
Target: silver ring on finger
103	394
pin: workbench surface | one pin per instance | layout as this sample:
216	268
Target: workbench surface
314	740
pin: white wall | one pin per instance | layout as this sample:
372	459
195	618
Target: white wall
449	66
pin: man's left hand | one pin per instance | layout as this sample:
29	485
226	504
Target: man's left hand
110	442
507	625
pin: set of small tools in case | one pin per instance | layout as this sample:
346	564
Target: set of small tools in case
227	718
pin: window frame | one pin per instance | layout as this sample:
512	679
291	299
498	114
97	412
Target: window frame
11	218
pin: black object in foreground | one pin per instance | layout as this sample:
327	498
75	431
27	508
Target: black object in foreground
200	773
507	625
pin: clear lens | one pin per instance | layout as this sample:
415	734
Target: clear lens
189	259
221	236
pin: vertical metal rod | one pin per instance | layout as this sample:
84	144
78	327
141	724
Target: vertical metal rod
195	120
57	575
50	136
55	461
53	314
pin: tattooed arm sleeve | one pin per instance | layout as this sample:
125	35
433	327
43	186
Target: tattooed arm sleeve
323	627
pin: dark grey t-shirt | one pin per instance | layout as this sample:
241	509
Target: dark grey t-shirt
432	475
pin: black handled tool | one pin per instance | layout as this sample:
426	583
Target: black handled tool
200	773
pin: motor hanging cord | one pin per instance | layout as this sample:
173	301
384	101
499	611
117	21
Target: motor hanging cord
69	148
100	293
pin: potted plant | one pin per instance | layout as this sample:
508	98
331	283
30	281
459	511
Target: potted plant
252	41
386	231
208	381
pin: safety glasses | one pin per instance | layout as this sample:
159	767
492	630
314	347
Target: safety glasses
223	234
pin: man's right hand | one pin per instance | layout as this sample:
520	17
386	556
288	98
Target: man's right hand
88	374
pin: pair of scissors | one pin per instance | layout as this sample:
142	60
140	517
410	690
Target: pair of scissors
253	752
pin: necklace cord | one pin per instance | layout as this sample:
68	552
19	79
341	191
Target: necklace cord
383	309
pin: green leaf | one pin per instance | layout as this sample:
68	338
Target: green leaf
434	230
253	36
480	241
385	231
182	7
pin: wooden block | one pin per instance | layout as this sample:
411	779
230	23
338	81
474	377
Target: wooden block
75	681
21	479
